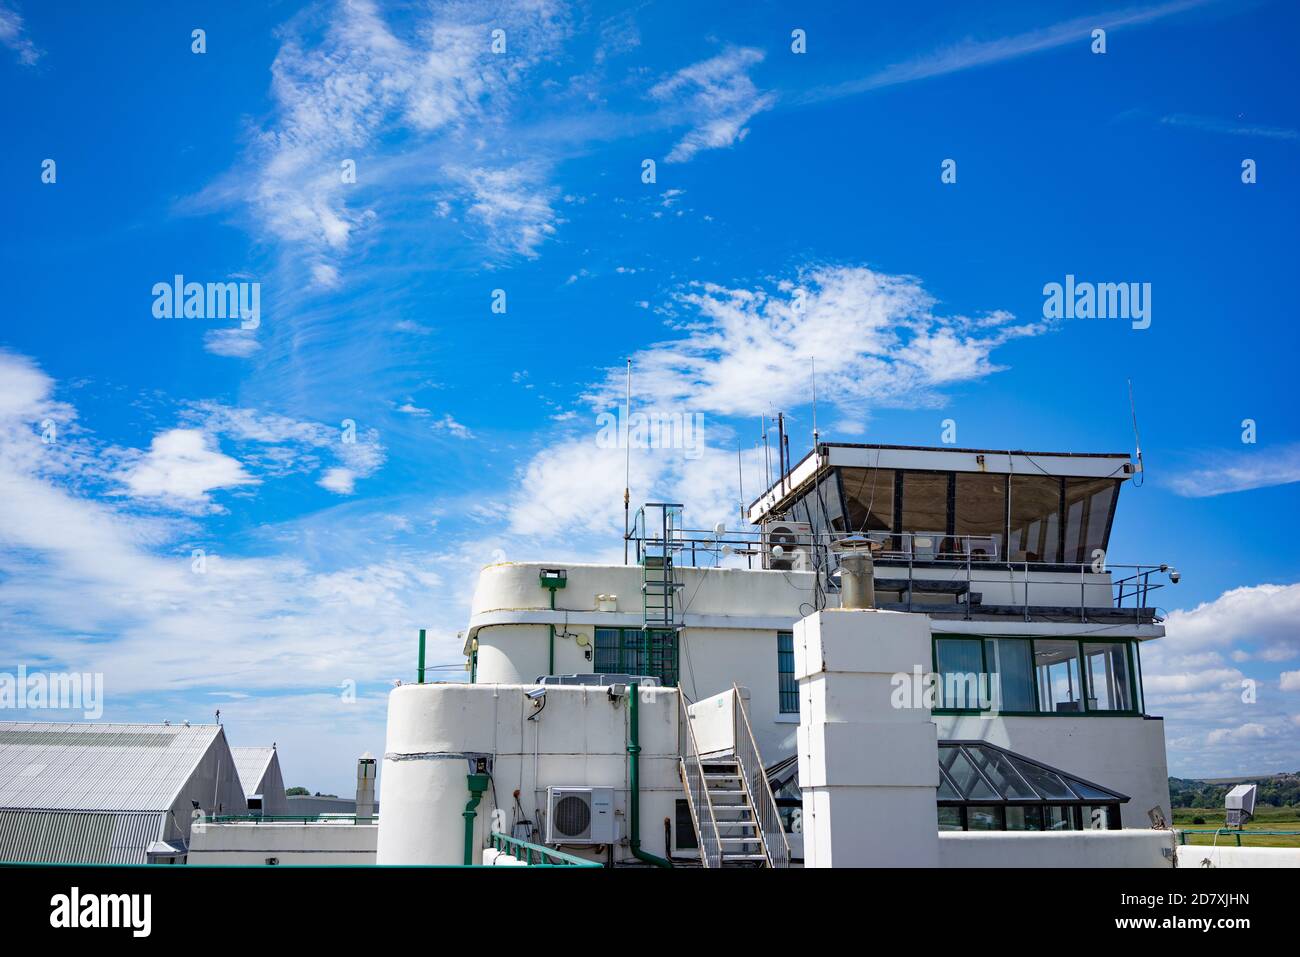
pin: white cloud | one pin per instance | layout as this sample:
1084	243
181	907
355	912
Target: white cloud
339	480
1240	472
1260	616
1289	681
717	98
747	350
346	86
235	343
1250	731
452	427
511	203
14	36
1212	124
181	465
971	53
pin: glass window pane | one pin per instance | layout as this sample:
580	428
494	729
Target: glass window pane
1056	664
950	819
868	499
787	687
1046	783
981	512
946	792
999	770
1089	793
1109	685
606	659
1011	673
968	781
1098	817
1035	519
1087	510
960	669
1059	818
983	819
1024	818
925	509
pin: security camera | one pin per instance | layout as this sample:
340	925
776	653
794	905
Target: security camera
537	694
1174	576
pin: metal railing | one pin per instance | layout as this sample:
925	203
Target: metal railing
926	557
1217	831
535	855
749	762
325	817
697	791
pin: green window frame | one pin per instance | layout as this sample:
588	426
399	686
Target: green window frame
787	688
1127	678
637	651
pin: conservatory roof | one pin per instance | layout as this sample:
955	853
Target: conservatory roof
976	772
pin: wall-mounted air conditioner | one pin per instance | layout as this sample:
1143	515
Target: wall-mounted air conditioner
787	546
580	815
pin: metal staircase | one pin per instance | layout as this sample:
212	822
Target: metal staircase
736	820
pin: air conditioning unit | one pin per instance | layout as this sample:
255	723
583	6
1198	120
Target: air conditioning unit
580	815
787	545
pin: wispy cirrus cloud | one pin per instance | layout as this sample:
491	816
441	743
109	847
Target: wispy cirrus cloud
13	34
397	98
717	98
1240	472
1210	124
971	53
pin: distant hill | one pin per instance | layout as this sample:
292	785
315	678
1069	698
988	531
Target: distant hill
1275	790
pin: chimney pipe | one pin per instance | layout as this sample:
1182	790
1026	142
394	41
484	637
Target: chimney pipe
365	789
857	580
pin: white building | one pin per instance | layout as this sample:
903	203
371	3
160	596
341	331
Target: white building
1036	632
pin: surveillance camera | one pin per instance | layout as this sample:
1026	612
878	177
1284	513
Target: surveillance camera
1174	576
537	694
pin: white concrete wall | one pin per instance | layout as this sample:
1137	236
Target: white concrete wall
1123	754
1056	848
579	739
245	843
867	770
1192	855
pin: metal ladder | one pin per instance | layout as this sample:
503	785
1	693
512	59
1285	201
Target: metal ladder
659	582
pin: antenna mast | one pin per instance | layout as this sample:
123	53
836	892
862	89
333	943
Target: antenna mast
627	458
813	360
1137	439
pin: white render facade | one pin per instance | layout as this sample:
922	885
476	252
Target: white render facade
730	633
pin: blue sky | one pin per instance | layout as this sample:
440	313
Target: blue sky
797	209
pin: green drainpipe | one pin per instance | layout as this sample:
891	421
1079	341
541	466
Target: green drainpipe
420	672
634	774
477	785
551	669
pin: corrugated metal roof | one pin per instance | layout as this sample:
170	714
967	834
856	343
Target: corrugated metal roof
251	763
98	767
78	837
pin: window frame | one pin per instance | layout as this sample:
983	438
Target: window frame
783	694
1133	660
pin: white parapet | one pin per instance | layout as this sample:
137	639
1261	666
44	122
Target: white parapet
575	736
868	770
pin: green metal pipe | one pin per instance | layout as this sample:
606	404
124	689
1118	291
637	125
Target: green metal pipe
634	776
420	670
477	785
551	668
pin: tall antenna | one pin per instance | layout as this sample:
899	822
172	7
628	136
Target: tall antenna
740	472
627	457
813	360
767	452
1137	439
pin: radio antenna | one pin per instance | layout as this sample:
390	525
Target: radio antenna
1137	439
627	459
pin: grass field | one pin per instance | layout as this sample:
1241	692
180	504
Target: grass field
1266	819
